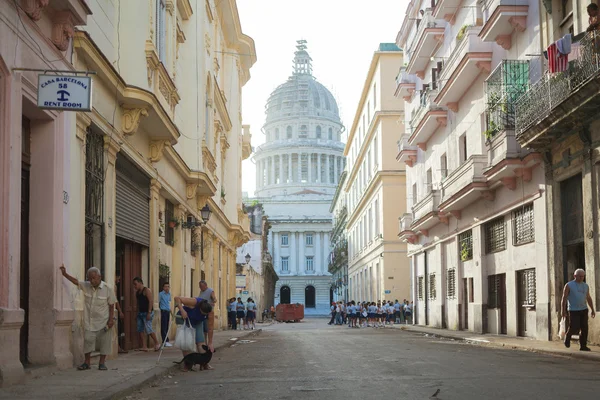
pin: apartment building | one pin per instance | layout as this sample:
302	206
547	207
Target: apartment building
476	225
375	186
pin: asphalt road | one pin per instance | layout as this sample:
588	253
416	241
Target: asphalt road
311	360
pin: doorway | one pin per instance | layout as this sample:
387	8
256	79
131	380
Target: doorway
310	297
571	194
128	266
497	301
426	288
465	304
24	267
330	295
526	322
285	295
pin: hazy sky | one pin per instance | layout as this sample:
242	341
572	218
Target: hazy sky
342	36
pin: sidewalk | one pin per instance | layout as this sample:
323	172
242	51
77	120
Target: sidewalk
508	342
125	374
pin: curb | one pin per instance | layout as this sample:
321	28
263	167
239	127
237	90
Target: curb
123	389
512	346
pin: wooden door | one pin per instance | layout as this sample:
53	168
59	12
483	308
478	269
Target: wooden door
24	267
129	262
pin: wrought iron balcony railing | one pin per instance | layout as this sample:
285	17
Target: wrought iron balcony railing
537	103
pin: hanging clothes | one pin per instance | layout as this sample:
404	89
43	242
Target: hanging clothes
564	44
557	62
575	53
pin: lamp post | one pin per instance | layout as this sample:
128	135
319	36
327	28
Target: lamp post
248	258
205	213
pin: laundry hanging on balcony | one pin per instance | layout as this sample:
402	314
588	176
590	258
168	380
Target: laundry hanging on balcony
557	62
564	44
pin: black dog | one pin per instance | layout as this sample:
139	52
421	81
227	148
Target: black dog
202	359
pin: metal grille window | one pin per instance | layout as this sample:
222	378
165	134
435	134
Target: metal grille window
310	266
94	200
309	239
285	264
284	239
432	287
420	288
495	235
170	218
494	291
529	284
523	225
465	241
451	284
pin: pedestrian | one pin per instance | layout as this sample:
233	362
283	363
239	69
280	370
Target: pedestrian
145	314
338	314
408	308
574	305
251	313
164	303
240	312
333	307
196	310
209	295
397	308
231	313
98	316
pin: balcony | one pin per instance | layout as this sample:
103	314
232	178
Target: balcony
502	18
470	57
447	10
405	84
406	153
561	102
430	34
426	119
426	212
405	233
464	185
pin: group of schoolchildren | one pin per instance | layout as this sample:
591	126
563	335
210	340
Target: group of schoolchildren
240	314
371	314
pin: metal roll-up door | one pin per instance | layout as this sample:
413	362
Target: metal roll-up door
132	209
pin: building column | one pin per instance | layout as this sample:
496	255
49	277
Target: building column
335	169
155	187
319	173
325	251
319	268
258	175
293	265
301	260
281	180
276	245
290	178
299	167
309	167
177	271
328	174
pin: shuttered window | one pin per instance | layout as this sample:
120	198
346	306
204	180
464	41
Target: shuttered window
523	225
432	287
495	235
169	216
132	209
451	284
494	291
420	288
529	284
465	241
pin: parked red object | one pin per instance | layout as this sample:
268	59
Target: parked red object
289	312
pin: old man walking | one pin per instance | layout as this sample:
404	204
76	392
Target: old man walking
574	305
98	315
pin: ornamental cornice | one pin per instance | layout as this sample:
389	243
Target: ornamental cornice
157	148
131	119
33	8
62	29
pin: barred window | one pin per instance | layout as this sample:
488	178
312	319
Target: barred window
170	218
465	241
451	284
523	225
495	290
528	284
432	291
495	235
420	288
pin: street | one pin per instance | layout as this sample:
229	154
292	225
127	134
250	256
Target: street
311	360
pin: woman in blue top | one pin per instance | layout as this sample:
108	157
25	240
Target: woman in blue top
196	310
241	315
250	313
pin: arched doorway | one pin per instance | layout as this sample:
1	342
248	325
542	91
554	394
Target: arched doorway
309	297
330	294
285	295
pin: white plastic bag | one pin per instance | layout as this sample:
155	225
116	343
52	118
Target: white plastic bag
562	331
185	338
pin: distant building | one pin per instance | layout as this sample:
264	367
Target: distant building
298	169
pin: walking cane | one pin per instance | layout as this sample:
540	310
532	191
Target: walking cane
171	320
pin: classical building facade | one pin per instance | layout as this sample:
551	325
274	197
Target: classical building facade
558	117
297	172
375	186
338	258
476	225
123	186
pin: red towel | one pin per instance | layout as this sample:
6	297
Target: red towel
557	62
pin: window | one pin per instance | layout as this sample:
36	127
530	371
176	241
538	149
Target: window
495	284
375	152
495	235
310	266
285	264
161	30
432	288
374	95
289	132
318	132
276	133
444	165
462	148
429	183
523	225
376	217
303	131
309	239
330	134
465	241
414	194
451	284
169	217
420	288
369	112
284	239
527	284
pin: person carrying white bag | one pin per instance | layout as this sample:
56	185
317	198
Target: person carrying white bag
193	312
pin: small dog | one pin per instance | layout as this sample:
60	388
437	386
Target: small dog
202	359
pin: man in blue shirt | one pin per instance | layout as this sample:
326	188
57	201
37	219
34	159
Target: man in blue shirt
574	306
164	302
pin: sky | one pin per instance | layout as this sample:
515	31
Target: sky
342	36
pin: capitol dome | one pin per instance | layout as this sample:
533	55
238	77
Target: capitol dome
303	151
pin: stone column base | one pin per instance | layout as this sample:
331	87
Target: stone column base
62	338
11	369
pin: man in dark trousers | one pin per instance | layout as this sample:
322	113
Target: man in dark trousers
164	302
574	305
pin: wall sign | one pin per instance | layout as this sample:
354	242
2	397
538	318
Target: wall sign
388	292
65	92
240	281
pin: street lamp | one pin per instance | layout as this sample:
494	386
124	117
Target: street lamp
248	258
205	214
